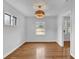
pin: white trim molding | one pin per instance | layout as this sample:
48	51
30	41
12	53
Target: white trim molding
59	43
72	54
13	49
41	40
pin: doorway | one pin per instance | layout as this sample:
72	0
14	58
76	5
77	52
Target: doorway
66	31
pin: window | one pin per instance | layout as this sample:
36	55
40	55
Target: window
7	19
40	28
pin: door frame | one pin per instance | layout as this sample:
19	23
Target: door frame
68	13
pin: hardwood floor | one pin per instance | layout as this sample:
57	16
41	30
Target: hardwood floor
41	51
66	44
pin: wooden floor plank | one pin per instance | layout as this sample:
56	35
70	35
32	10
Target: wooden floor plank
41	51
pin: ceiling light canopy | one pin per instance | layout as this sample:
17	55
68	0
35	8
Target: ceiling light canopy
43	5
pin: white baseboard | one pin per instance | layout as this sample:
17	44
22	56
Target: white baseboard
72	54
41	41
13	50
61	45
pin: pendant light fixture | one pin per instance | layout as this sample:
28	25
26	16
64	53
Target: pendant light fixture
39	13
39	7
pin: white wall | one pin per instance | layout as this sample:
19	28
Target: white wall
51	29
72	37
60	31
13	36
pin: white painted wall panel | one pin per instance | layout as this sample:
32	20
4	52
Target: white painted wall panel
13	36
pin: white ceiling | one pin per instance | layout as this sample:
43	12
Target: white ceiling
54	7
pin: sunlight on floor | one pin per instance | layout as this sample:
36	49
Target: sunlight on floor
40	53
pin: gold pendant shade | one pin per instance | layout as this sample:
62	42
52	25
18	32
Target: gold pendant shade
39	6
39	13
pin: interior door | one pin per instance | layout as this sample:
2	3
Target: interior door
67	28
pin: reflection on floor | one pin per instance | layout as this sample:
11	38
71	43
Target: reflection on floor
41	51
